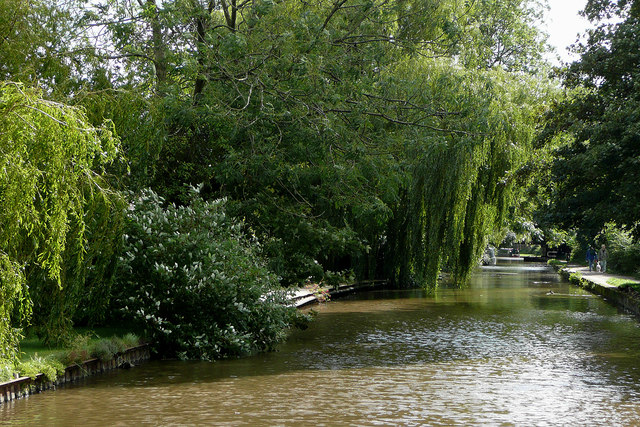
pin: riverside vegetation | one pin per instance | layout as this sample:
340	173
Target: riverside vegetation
82	347
181	164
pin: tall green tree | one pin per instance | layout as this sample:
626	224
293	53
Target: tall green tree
464	172
49	159
595	176
504	34
42	44
300	114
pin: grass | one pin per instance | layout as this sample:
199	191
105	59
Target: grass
624	283
35	357
556	262
32	346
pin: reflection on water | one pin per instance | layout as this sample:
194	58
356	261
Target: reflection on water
516	347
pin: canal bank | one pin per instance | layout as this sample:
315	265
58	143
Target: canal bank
24	386
314	294
503	350
601	284
393	336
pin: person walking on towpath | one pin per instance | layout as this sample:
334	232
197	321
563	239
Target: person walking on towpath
591	257
603	256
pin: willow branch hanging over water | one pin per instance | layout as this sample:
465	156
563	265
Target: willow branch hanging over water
47	155
459	184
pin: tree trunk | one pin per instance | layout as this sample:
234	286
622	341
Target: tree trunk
159	57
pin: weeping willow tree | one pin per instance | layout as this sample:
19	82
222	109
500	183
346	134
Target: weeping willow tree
350	135
49	156
461	168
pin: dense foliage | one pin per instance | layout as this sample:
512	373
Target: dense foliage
596	175
462	183
322	122
375	139
195	282
624	250
48	155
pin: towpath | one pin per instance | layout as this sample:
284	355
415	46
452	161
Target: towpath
599	278
626	298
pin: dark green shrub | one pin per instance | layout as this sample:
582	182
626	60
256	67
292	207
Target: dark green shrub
78	351
196	282
118	344
105	349
130	340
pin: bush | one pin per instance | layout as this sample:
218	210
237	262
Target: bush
196	282
50	367
6	372
624	253
556	262
130	340
105	349
78	351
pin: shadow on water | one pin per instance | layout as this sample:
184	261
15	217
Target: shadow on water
502	351
498	316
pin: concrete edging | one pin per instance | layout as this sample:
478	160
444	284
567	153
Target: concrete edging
610	293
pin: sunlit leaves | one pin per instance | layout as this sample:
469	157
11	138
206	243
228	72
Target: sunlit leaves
193	278
48	154
463	165
595	176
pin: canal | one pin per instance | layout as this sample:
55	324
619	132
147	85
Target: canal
517	347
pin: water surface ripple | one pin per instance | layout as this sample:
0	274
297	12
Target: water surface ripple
503	351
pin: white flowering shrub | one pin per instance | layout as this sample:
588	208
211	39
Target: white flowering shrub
193	278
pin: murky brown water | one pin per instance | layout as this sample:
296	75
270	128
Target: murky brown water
501	352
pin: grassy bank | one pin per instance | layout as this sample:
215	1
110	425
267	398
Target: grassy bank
36	357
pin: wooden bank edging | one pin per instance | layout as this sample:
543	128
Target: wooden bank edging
25	386
303	297
610	293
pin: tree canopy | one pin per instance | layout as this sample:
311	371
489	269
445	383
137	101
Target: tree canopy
48	157
375	139
317	119
595	176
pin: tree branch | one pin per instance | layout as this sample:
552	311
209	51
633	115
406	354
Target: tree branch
336	7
